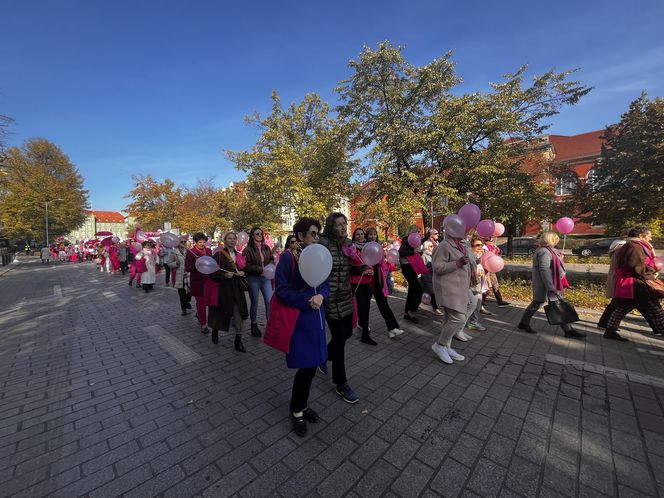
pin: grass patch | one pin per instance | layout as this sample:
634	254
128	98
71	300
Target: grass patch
579	260
584	294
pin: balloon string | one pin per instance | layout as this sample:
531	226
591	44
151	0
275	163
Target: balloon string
360	283
320	313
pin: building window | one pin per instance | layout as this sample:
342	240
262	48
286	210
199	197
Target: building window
566	184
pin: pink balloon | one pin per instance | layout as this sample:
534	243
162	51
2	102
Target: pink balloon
426	298
115	240
454	226
137	246
268	271
485	229
565	225
140	236
414	240
276	258
471	215
494	264
372	253
485	257
392	256
498	230
206	265
659	263
217	249
396	245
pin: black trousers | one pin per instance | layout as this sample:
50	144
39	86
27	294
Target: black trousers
301	388
362	294
383	304
168	273
613	305
340	329
414	289
185	298
532	309
124	266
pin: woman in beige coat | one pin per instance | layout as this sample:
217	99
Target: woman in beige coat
452	266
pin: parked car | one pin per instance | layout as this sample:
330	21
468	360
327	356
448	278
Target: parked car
596	248
521	245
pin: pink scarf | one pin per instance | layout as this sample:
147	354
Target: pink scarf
559	277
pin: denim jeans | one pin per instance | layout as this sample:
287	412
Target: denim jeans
256	286
475	307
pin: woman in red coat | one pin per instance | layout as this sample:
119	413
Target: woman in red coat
197	280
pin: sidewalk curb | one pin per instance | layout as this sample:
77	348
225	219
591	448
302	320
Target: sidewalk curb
9	267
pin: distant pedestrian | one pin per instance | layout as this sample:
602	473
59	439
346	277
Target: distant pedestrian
45	254
180	276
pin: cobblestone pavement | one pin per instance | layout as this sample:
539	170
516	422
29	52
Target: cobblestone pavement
107	391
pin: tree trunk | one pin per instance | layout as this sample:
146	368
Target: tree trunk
510	229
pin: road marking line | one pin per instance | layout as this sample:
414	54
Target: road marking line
658	353
57	291
111	296
177	349
625	375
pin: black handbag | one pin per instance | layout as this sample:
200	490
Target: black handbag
560	312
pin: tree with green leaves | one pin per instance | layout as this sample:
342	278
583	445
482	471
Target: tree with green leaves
628	182
301	163
40	172
424	142
152	202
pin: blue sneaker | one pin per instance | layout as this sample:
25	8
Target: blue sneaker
323	368
347	394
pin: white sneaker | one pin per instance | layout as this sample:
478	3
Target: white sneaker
454	355
441	352
392	334
437	312
462	336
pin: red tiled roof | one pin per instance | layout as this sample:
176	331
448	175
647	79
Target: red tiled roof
585	144
107	216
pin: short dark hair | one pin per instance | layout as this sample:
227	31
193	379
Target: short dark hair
200	236
329	222
638	231
303	224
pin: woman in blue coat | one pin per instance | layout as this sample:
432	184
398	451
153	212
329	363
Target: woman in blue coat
308	347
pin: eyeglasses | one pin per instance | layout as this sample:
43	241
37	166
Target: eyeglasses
258	233
477	245
313	233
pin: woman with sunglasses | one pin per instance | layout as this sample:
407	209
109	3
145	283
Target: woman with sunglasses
307	348
258	256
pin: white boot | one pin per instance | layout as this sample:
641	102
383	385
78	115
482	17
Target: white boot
462	336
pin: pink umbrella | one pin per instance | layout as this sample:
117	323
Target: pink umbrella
103	234
107	242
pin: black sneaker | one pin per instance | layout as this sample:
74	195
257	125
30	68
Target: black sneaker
347	394
310	415
299	425
411	318
574	334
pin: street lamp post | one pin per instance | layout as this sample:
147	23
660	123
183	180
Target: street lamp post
46	203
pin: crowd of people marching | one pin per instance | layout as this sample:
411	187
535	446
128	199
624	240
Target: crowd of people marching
453	274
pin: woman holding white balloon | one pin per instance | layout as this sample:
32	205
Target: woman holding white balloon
259	259
307	349
231	302
380	286
197	279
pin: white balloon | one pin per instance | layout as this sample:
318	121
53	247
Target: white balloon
315	264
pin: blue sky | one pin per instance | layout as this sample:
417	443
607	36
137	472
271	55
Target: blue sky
161	86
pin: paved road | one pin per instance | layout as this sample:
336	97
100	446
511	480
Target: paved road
106	391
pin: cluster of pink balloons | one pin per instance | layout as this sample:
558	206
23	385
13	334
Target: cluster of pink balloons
468	217
492	262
